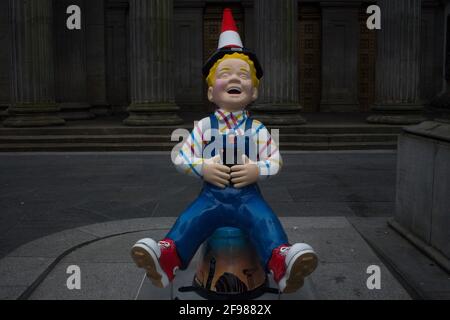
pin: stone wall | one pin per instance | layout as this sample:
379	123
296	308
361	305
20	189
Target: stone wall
423	187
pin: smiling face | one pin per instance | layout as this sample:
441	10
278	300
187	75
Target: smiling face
233	88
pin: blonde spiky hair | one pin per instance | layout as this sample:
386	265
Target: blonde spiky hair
210	79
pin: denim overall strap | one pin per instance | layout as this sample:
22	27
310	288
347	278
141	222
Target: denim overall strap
248	127
214	126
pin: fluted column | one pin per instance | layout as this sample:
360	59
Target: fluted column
398	64
441	103
151	64
32	76
276	48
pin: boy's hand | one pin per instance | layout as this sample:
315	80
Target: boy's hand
216	173
244	174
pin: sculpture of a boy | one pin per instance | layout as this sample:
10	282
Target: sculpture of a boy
230	196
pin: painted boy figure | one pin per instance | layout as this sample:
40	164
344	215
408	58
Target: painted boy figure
230	196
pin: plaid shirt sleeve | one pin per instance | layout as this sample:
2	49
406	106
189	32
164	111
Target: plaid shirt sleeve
189	159
269	159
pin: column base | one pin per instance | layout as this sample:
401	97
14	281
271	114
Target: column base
396	114
33	115
153	114
277	114
75	111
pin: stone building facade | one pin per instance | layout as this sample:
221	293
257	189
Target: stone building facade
143	58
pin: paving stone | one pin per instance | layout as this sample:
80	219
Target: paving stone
114	249
301	223
11	292
112	281
310	209
347	281
21	271
53	245
116	227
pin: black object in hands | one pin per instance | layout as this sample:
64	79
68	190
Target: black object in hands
231	156
234	158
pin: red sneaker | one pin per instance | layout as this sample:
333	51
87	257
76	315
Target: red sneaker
160	260
291	264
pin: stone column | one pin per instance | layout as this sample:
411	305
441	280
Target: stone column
151	64
398	64
276	47
446	64
71	71
5	59
441	103
32	76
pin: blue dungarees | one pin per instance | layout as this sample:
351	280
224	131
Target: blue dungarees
215	207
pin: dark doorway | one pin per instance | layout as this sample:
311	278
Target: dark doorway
310	46
116	55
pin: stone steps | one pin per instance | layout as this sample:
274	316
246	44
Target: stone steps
293	138
158	146
310	137
123	130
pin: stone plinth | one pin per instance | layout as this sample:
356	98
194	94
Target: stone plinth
423	189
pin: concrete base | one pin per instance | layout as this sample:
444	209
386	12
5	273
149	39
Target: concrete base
38	270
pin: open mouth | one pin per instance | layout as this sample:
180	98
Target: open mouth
234	90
